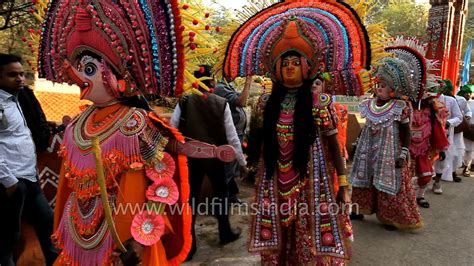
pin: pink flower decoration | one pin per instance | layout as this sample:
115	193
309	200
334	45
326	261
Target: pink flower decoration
147	228
163	190
163	169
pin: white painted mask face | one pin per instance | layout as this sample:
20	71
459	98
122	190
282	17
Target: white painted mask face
95	72
382	90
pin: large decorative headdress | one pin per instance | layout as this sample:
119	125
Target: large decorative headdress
398	75
418	75
138	39
328	33
142	41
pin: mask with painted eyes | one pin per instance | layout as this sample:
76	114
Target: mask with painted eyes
318	85
383	91
101	83
292	71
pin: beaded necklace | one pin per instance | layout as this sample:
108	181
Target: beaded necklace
86	128
381	110
285	133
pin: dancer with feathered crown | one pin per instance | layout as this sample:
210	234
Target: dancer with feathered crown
379	185
301	174
123	167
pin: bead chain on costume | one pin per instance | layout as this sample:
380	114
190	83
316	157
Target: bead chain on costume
85	129
381	116
289	185
380	110
86	214
285	133
93	239
325	223
94	128
135	124
265	234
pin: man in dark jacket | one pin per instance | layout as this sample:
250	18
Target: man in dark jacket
208	118
35	118
237	101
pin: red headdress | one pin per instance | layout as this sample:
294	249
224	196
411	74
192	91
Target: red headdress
327	33
140	40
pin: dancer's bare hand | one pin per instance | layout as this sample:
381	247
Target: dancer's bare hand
133	256
343	195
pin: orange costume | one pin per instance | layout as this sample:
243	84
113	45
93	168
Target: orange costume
342	116
123	186
127	183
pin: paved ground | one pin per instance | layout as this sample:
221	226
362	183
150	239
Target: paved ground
446	239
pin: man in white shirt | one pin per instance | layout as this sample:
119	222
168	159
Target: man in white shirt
459	140
20	193
466	92
444	168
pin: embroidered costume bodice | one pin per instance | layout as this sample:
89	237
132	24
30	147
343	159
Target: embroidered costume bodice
288	181
127	140
384	115
379	145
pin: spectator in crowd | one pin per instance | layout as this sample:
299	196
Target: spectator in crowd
237	101
35	118
445	168
20	193
459	135
466	92
208	118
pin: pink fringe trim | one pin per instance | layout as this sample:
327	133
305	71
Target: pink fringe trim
73	254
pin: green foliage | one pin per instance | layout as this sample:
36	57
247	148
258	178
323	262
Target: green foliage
402	17
220	17
11	41
16	21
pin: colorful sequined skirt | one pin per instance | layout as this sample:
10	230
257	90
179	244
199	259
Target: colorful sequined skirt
398	210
